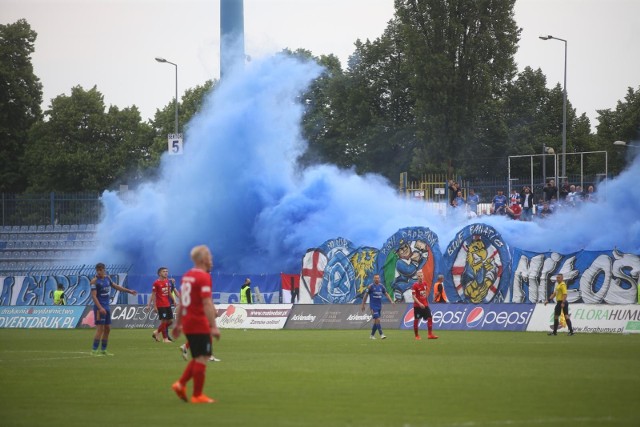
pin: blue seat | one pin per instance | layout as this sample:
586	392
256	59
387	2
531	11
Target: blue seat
41	228
15	229
24	228
33	229
73	227
49	227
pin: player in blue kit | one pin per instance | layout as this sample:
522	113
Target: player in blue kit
376	290
101	286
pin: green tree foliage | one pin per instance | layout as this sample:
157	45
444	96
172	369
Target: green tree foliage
621	124
20	99
83	148
163	122
461	56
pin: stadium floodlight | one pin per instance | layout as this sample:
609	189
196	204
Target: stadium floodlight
162	60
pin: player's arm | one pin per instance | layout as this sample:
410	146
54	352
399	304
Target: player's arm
364	298
152	300
211	313
123	289
553	295
177	324
389	297
94	297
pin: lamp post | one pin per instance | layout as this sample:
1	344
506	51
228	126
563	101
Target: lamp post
625	144
176	99
564	106
545	150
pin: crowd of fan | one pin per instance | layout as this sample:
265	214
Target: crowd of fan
523	205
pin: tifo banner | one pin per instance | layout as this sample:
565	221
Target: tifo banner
591	276
52	317
481	317
478	266
341	316
38	290
590	318
252	316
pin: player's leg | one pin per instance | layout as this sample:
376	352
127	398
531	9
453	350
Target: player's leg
430	335
556	319
567	317
416	322
201	351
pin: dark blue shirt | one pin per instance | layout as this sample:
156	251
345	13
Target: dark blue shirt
103	291
376	292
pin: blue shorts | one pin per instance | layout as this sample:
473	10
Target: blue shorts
101	319
376	312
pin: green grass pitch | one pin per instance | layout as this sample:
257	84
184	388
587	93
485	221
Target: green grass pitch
324	378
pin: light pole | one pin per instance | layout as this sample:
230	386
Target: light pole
625	144
176	100
564	106
545	150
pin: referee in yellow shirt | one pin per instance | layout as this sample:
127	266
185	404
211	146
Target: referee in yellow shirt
562	305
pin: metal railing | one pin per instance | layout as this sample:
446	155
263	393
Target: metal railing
49	208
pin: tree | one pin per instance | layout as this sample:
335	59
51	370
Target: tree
622	124
20	99
461	56
163	122
82	148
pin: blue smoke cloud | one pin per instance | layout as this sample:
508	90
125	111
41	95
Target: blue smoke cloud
237	189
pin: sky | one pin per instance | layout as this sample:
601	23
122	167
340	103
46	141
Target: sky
112	43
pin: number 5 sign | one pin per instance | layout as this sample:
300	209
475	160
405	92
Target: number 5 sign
175	143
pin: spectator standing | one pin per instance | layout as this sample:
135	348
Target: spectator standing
499	203
245	292
550	190
472	201
526	202
439	295
58	295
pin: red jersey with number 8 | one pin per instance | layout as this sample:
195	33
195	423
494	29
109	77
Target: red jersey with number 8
196	285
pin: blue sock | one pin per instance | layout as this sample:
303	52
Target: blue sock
95	344
380	328
373	329
104	344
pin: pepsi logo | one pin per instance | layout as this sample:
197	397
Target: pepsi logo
475	317
408	318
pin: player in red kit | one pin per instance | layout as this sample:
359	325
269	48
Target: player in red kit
420	292
161	300
196	316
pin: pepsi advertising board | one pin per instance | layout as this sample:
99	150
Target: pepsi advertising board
479	317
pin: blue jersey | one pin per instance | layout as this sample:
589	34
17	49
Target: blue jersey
376	292
103	291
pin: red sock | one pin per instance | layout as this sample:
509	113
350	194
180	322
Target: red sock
198	377
416	325
430	325
188	373
163	329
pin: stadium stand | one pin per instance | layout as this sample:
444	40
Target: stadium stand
30	249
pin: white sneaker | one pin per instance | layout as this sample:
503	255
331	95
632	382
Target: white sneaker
383	336
214	359
371	337
183	350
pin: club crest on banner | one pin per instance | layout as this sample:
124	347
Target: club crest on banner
476	261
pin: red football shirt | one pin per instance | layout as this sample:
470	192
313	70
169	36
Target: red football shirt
420	290
162	289
196	285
